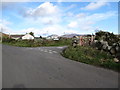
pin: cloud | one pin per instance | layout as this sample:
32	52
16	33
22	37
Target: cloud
80	15
101	16
4	26
5	22
46	31
94	5
73	24
45	9
5	29
70	7
85	23
44	14
47	19
82	23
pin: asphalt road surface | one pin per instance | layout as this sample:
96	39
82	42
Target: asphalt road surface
44	67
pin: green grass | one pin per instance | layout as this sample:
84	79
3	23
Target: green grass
37	43
91	56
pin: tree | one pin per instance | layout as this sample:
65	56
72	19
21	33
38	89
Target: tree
31	33
41	37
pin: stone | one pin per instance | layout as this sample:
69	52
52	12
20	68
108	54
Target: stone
109	47
116	60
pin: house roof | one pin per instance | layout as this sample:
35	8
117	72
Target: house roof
3	34
15	36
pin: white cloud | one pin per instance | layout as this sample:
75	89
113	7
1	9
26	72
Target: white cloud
4	26
45	31
73	24
80	15
94	5
50	20
86	23
5	29
5	22
101	16
82	24
70	7
45	14
45	9
70	14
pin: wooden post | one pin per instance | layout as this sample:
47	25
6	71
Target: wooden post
80	40
92	39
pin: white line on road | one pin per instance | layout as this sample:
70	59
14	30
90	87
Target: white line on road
49	52
45	51
54	51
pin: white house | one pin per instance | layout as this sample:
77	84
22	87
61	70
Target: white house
27	36
16	37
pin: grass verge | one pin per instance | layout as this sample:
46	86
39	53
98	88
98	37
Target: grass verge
91	56
37	43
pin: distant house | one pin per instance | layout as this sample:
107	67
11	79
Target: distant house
16	37
3	35
28	37
53	37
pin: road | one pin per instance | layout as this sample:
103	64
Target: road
44	67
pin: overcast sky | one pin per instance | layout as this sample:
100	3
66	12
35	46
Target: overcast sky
46	18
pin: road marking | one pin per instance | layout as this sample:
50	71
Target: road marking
49	52
54	51
45	50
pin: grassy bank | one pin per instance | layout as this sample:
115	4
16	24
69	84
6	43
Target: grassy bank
37	42
91	56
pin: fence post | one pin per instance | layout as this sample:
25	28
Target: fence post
80	40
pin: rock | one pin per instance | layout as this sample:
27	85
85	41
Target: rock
104	47
95	41
118	56
109	47
117	48
113	51
116	60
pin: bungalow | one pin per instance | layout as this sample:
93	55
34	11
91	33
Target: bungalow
26	36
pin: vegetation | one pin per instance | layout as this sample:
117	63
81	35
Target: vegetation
85	54
31	33
37	42
92	56
108	42
107	36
